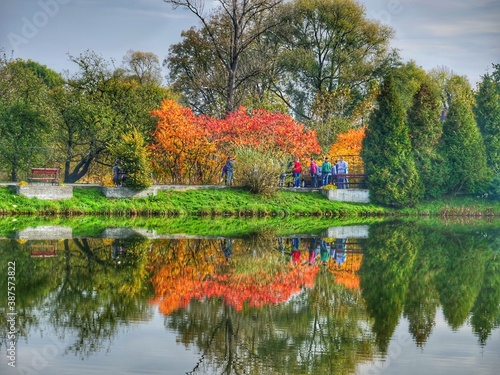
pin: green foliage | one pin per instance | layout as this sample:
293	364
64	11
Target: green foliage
425	131
393	179
258	170
132	153
463	150
487	112
25	115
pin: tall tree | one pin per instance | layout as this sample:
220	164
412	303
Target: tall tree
25	115
425	132
242	22
487	112
329	54
97	106
462	148
392	176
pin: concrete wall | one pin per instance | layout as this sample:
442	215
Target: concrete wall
348	195
123	192
351	231
45	233
47	192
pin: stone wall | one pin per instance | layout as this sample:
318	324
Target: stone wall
45	191
45	232
348	195
123	192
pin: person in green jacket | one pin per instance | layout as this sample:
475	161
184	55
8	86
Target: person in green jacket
326	169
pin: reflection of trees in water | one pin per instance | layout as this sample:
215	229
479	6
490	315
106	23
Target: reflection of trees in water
387	264
84	292
322	330
418	269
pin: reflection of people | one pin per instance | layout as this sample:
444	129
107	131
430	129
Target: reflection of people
295	250
340	250
324	252
227	248
281	245
117	251
313	250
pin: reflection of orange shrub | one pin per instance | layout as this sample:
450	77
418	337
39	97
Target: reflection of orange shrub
235	293
346	274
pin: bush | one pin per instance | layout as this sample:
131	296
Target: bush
258	170
133	155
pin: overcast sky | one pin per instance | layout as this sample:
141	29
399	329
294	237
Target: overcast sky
461	35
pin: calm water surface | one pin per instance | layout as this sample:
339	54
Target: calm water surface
393	298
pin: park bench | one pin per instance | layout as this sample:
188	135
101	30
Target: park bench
42	251
44	175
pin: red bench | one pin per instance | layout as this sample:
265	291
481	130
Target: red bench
44	175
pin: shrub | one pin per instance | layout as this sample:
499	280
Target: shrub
258	170
133	155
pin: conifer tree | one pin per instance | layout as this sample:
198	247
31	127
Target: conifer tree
463	149
392	176
425	131
488	119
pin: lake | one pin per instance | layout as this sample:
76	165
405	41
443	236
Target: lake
389	297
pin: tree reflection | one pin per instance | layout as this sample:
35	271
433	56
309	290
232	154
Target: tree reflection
83	292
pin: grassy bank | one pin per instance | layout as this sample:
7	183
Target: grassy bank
231	202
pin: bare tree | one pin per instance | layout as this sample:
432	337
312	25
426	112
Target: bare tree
249	19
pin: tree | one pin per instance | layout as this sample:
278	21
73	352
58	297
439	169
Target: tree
330	53
133	155
97	106
263	130
487	113
25	115
425	132
143	66
392	176
463	150
241	23
181	149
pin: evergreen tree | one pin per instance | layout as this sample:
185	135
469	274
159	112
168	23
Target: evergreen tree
487	112
392	176
425	132
463	149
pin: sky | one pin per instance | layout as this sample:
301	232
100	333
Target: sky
462	36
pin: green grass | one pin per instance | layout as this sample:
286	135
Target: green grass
232	203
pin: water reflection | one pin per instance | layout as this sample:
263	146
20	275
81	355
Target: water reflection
259	303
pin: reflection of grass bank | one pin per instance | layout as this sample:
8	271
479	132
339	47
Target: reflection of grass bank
231	202
93	226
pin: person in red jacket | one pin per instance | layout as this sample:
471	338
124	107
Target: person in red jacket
296	170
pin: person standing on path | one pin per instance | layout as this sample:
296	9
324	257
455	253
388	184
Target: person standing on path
313	169
297	170
342	170
228	171
326	169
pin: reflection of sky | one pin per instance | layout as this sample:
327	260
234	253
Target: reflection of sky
144	348
445	352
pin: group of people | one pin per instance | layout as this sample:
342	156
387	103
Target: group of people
319	248
330	173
